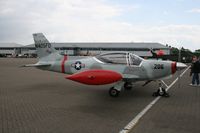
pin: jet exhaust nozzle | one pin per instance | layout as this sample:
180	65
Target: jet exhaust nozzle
96	77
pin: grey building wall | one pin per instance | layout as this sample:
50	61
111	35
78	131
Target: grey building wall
141	49
10	48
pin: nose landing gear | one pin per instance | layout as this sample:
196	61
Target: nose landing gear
162	90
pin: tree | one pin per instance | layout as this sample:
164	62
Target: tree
197	53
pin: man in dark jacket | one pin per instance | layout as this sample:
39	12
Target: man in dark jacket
195	70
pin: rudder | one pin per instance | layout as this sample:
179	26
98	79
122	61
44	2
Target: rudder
42	45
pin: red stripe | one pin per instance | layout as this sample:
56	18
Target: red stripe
63	64
173	67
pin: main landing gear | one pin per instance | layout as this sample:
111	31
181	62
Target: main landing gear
128	85
115	91
162	90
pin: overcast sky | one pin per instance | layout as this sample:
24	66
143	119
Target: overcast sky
173	22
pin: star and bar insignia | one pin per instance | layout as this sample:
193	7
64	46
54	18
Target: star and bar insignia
78	65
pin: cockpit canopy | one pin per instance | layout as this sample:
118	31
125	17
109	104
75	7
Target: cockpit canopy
120	58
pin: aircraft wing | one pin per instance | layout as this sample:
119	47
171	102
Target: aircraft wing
37	65
130	76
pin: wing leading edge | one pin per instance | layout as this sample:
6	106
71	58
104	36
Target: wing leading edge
37	65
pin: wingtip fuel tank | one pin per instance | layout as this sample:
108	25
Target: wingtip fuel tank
95	77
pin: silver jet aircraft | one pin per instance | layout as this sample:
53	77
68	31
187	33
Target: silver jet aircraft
121	68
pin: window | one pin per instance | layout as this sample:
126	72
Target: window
134	60
113	58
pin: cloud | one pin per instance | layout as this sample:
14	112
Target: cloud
176	35
52	16
85	21
195	10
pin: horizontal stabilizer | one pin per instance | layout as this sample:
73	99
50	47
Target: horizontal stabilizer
96	77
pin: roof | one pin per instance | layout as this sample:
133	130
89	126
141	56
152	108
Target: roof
10	45
108	45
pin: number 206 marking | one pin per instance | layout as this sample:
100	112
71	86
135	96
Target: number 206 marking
158	66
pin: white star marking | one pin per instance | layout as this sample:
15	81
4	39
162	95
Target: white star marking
78	65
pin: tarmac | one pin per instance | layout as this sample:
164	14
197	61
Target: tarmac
36	101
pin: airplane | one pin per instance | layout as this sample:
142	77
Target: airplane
120	68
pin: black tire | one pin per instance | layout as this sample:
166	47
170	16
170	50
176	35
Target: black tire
127	86
113	92
161	93
164	93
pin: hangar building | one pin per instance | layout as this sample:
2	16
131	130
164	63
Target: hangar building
10	48
141	49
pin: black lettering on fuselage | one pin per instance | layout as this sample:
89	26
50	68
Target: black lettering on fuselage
158	66
43	45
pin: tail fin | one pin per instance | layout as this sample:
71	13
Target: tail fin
43	47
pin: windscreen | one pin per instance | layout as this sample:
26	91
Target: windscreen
135	60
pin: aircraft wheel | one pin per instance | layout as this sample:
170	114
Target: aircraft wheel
114	92
127	86
162	93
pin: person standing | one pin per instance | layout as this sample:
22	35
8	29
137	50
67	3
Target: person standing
195	70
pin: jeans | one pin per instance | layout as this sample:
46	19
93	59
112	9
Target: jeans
195	77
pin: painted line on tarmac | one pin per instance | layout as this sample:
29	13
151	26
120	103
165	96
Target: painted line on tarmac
135	120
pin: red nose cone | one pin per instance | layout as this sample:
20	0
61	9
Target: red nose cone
173	67
160	53
96	77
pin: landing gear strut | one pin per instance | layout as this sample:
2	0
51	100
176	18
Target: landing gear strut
127	86
161	91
